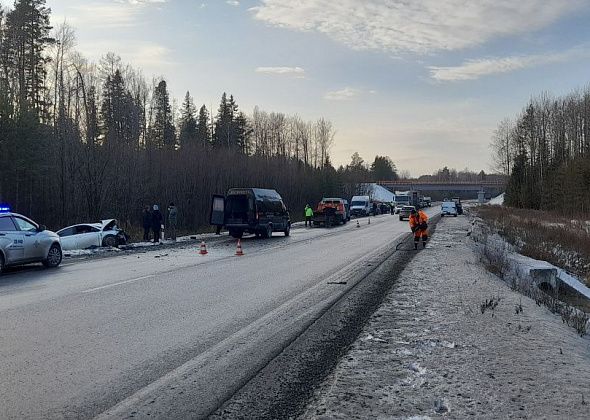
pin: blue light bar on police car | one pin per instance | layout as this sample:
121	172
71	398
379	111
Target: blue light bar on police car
4	208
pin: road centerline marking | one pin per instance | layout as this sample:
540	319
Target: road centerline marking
108	286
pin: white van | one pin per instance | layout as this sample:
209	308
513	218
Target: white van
448	208
360	205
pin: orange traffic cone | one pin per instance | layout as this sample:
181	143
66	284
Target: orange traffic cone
203	250
239	251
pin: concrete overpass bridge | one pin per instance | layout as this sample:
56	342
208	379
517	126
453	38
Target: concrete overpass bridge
462	188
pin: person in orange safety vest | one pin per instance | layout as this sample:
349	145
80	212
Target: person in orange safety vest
419	225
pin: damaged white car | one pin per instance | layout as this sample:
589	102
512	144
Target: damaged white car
92	235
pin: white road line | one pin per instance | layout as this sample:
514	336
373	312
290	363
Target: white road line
108	286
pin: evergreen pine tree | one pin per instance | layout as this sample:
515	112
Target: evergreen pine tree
188	135
203	130
28	30
162	131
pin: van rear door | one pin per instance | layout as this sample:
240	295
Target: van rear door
217	211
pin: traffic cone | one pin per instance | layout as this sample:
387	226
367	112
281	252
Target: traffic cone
358	225
239	251
203	250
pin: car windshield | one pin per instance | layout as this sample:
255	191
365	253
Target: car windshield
358	203
25	225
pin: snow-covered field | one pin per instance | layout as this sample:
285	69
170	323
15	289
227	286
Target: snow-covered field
453	340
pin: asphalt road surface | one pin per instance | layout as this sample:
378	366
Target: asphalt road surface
136	335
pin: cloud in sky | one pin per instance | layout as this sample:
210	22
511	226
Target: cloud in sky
145	1
345	94
477	68
296	72
235	3
105	13
417	26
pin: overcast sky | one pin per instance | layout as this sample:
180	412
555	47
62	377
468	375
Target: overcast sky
423	81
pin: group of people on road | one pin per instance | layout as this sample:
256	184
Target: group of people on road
153	222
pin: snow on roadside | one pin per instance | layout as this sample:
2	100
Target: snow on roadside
443	355
497	201
164	244
517	266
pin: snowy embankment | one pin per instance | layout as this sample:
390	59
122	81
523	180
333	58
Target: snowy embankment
519	268
184	240
453	340
497	201
149	246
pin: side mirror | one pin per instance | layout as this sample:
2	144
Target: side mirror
41	228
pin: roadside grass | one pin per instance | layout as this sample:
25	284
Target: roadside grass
559	240
494	255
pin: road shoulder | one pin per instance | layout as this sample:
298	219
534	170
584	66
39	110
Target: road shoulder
452	339
284	386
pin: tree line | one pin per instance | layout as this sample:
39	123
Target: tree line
81	141
545	150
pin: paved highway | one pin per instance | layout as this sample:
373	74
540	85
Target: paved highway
169	333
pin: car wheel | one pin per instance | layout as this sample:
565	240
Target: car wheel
288	230
1	263
401	219
455	215
110	241
54	256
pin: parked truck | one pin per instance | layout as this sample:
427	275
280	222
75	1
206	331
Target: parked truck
408	198
360	205
250	210
331	212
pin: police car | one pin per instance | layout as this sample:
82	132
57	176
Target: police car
23	241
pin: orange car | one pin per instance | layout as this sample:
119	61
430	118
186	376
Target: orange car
331	211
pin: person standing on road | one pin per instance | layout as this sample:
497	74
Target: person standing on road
147	223
172	219
157	223
308	215
419	225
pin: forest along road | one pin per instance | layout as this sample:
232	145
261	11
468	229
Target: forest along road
106	336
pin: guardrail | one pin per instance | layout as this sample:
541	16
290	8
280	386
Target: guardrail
446	183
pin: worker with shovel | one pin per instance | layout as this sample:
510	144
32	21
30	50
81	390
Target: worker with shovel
419	225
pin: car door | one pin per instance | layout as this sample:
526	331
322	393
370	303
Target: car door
33	249
217	216
67	238
278	218
87	237
11	240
